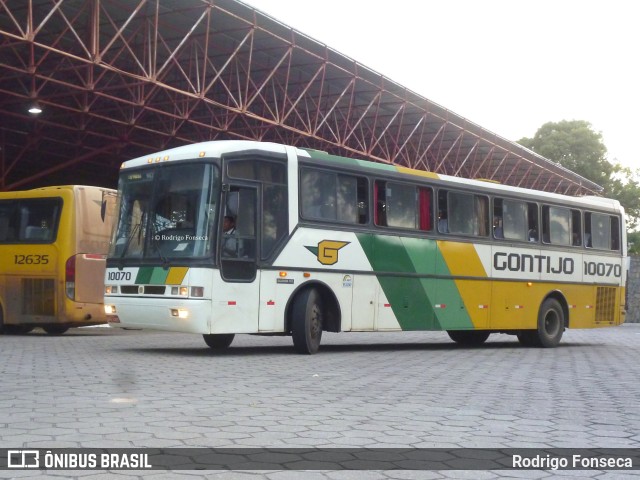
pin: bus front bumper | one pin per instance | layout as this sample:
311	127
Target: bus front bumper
189	316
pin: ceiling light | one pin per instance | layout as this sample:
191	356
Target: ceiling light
35	109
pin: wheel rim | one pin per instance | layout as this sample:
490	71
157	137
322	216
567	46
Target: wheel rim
315	325
551	323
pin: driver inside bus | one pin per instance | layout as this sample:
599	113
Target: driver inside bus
229	242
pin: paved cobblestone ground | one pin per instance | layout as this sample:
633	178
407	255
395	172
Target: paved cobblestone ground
114	389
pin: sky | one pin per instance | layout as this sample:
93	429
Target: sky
508	65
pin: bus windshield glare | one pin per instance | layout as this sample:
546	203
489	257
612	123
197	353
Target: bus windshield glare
165	212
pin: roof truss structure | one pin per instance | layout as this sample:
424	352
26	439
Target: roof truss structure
118	79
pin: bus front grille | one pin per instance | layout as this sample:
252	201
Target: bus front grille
605	305
38	296
143	289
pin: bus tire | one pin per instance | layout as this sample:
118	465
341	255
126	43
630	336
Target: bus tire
55	329
218	341
551	324
469	338
12	329
306	321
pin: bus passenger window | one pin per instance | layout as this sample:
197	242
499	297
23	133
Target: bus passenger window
498	223
498	229
333	197
576	228
318	190
515	220
274	217
601	231
556	225
399	205
460	218
6	231
38	220
467	214
443	217
532	222
380	214
615	233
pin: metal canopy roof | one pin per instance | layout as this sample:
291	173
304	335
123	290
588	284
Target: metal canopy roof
117	79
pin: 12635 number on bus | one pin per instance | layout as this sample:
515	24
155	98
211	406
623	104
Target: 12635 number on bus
31	259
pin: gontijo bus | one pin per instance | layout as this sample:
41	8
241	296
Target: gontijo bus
323	243
53	248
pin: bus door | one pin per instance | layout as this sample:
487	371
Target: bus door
238	253
259	203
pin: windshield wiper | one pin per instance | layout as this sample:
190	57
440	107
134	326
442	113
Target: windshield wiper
156	245
134	230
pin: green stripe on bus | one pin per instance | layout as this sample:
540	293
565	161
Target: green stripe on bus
413	300
350	162
144	275
158	276
377	166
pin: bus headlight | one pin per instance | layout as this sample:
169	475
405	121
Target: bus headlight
110	289
110	309
180	313
182	291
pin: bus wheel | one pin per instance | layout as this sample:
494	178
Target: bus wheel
306	324
218	341
550	323
12	329
55	329
550	326
469	338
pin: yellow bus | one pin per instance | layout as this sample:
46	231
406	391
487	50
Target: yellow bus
230	237
53	245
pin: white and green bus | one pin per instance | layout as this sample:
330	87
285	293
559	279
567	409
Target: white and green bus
325	243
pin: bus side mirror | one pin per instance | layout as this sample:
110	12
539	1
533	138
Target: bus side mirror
103	209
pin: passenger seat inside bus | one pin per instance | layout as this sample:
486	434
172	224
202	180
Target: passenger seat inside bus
36	233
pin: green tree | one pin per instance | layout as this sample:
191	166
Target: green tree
633	240
576	146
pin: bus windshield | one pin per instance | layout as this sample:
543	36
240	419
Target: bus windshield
167	211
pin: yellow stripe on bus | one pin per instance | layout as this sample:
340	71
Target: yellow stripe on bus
176	275
420	173
462	260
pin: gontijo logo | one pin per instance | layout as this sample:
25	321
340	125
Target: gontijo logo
23	458
327	251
